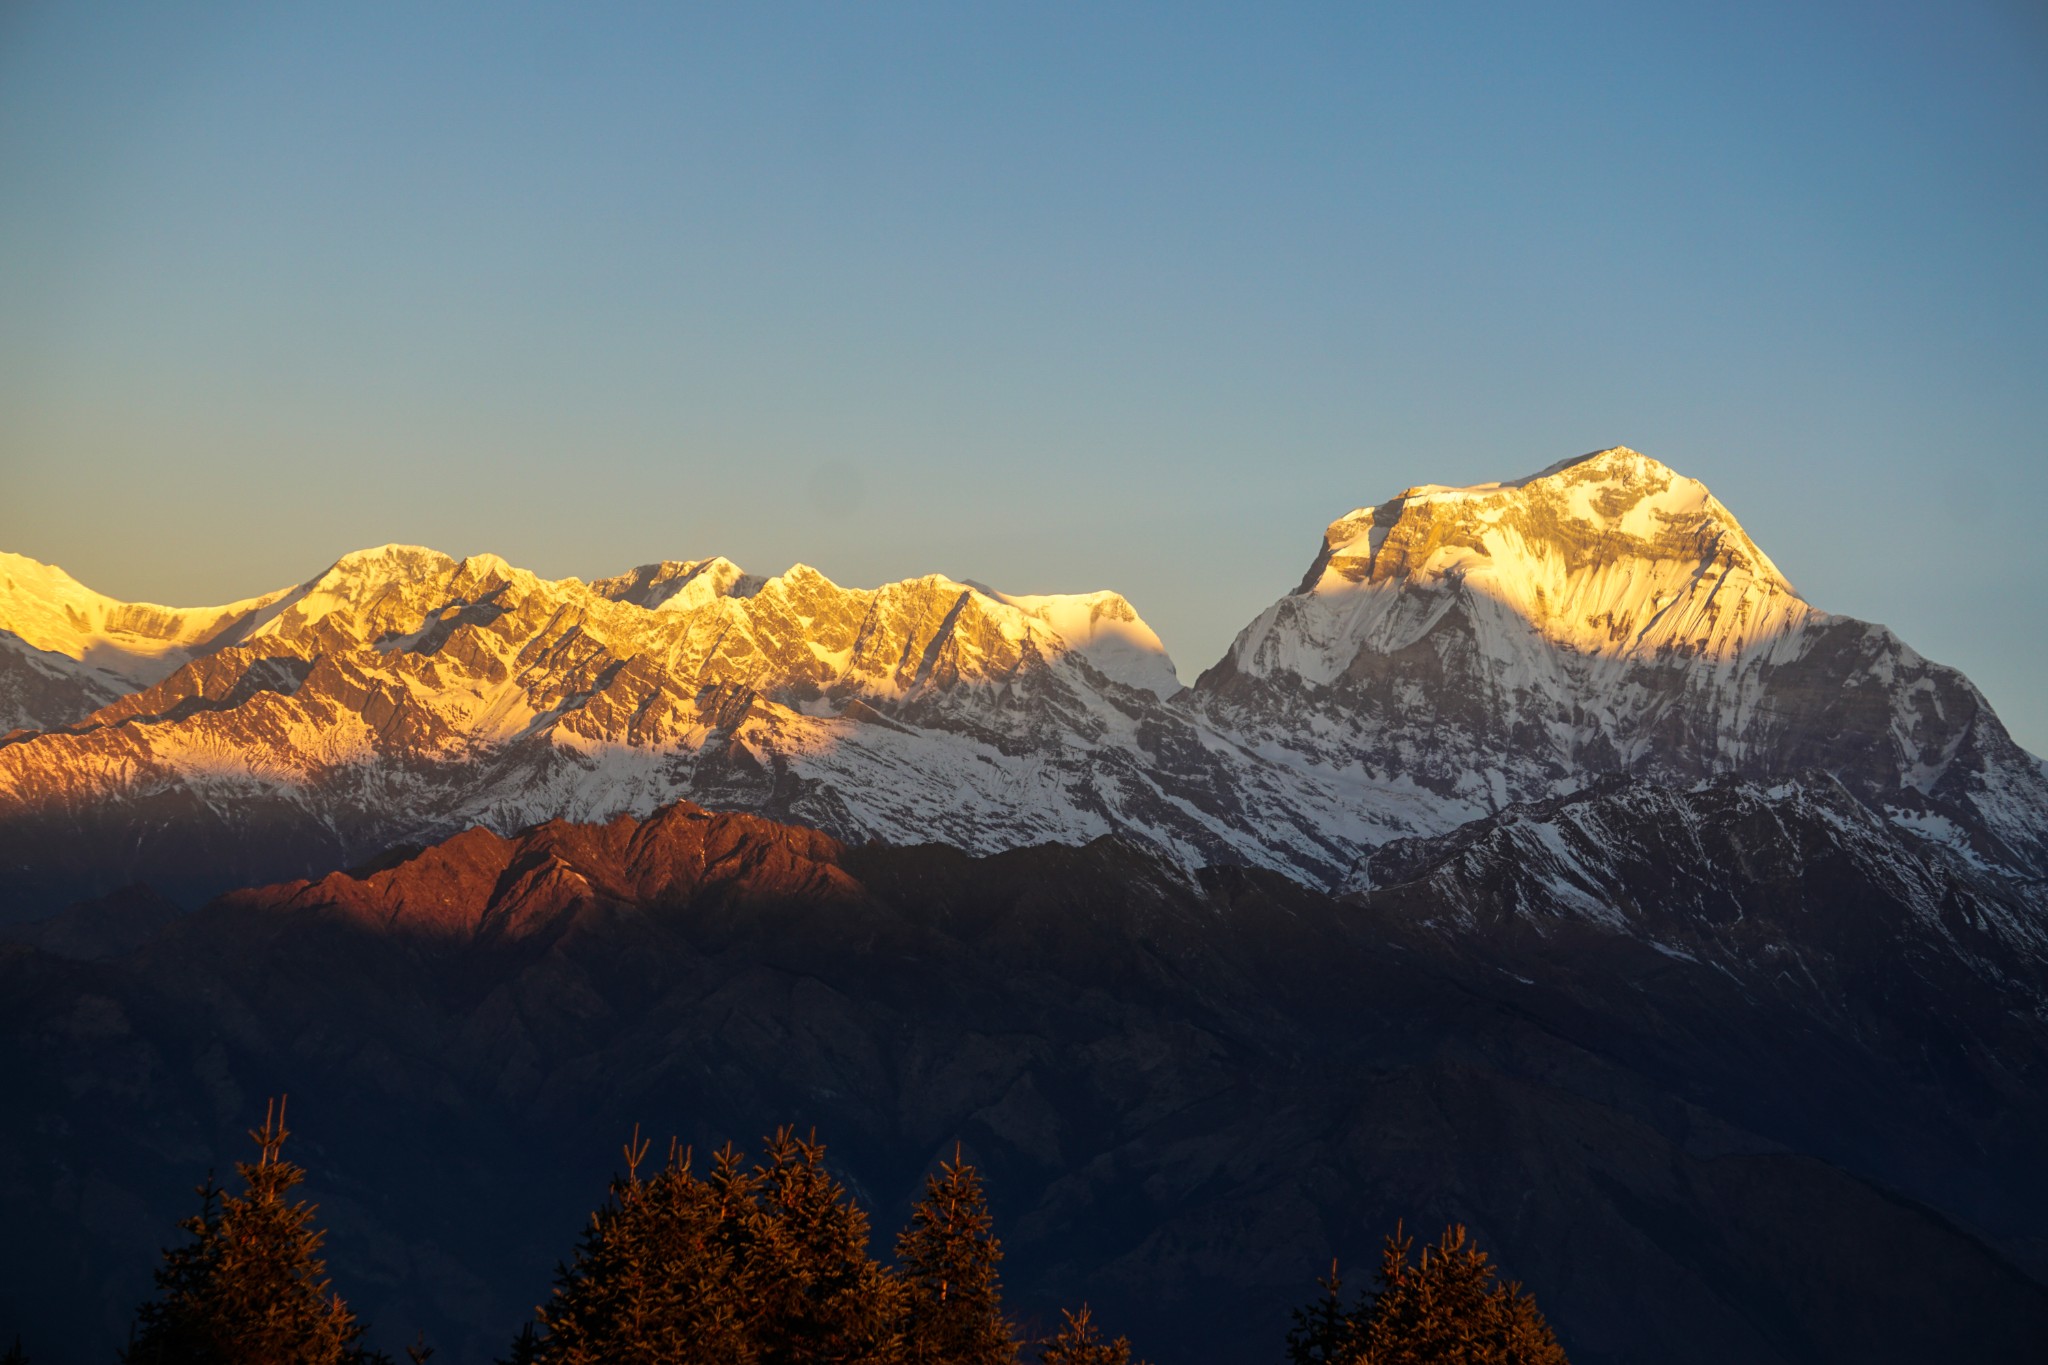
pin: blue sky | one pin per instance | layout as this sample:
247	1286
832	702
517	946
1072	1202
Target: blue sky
1051	297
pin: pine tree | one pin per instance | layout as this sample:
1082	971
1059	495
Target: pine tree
818	1295
1079	1343
1448	1308
947	1257
249	1288
769	1265
1326	1332
657	1278
15	1355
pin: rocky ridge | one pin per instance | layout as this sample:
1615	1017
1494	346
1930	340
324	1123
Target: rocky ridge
1450	652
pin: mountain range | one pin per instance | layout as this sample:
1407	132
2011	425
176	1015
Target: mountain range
1448	652
1543	860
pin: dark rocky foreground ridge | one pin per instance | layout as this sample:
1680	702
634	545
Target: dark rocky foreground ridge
1728	1074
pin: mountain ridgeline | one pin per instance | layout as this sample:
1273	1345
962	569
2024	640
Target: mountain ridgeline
1542	863
1449	652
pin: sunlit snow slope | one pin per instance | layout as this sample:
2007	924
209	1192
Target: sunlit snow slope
403	694
1509	641
1450	651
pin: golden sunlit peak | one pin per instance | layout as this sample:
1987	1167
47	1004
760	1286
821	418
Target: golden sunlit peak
412	560
804	574
483	565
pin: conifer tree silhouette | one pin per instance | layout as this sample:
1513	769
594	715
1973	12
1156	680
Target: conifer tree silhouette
1078	1342
15	1355
769	1265
947	1258
1326	1332
657	1277
1447	1307
250	1287
820	1296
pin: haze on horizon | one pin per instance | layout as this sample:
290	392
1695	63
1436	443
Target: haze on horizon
1136	298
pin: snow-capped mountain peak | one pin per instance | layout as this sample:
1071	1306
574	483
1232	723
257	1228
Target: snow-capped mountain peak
1615	503
140	642
1611	554
1506	641
1104	629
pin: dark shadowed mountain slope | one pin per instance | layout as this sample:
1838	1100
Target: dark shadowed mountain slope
1766	1110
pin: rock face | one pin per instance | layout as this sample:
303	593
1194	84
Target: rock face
1450	652
1784	1114
44	690
1511	641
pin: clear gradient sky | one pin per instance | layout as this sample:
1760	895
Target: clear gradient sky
1054	297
